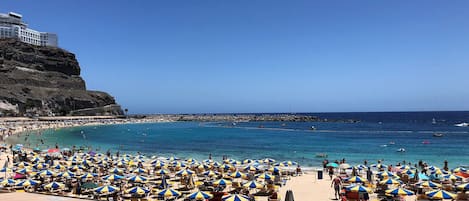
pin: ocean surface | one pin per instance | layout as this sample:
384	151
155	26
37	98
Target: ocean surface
376	137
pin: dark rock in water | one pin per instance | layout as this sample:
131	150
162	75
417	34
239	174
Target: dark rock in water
38	80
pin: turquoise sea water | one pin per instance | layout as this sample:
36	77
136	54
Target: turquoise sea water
368	140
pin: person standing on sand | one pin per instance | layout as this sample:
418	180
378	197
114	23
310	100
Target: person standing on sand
331	172
337	182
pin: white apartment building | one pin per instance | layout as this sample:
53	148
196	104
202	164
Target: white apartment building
12	26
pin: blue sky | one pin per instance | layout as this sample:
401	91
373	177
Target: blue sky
196	56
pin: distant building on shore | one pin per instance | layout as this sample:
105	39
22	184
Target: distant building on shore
12	26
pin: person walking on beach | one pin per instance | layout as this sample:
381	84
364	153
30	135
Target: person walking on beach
331	172
337	182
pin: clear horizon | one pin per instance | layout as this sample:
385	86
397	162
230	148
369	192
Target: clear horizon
265	56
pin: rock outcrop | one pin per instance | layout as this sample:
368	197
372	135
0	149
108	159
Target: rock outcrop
43	81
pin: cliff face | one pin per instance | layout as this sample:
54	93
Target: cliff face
46	81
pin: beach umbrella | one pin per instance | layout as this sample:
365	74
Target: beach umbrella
162	172
386	174
428	184
113	177
266	176
139	170
344	166
440	194
22	164
184	172
207	161
138	190
59	167
203	167
235	197
106	189
210	173
226	166
463	186
389	181
28	182
404	167
178	164
138	179
253	184
116	171
54	185
173	158
459	169
399	191
24	171
358	188
408	172
47	173
334	165
66	174
169	193
191	160
40	166
274	169
159	164
356	179
289	163
379	166
222	182
7	182
76	167
237	174
216	164
251	168
199	195
36	159
6	169
452	177
88	176
268	160
247	161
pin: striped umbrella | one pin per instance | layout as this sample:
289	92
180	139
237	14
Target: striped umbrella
399	191
235	197
251	168
40	166
210	173
162	172
6	169
116	171
222	182
169	193
379	166
22	164
389	181
158	164
247	161
226	166
28	182
24	171
237	174
253	184
386	174
8	182
54	185
172	158
59	167
440	194
138	190
274	169
113	177
266	176
184	172
199	195
178	164
408	172
66	174
47	173
452	177
356	179
138	179
459	169
358	188
428	184
289	163
88	176
139	170
106	189
463	186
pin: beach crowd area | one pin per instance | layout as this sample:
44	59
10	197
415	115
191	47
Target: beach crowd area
70	174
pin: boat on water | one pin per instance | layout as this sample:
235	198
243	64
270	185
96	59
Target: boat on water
400	150
426	142
437	134
392	142
464	124
313	128
321	155
433	121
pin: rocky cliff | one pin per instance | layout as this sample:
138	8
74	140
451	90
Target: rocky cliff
46	81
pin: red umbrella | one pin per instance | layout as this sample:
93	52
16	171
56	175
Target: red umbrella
53	150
